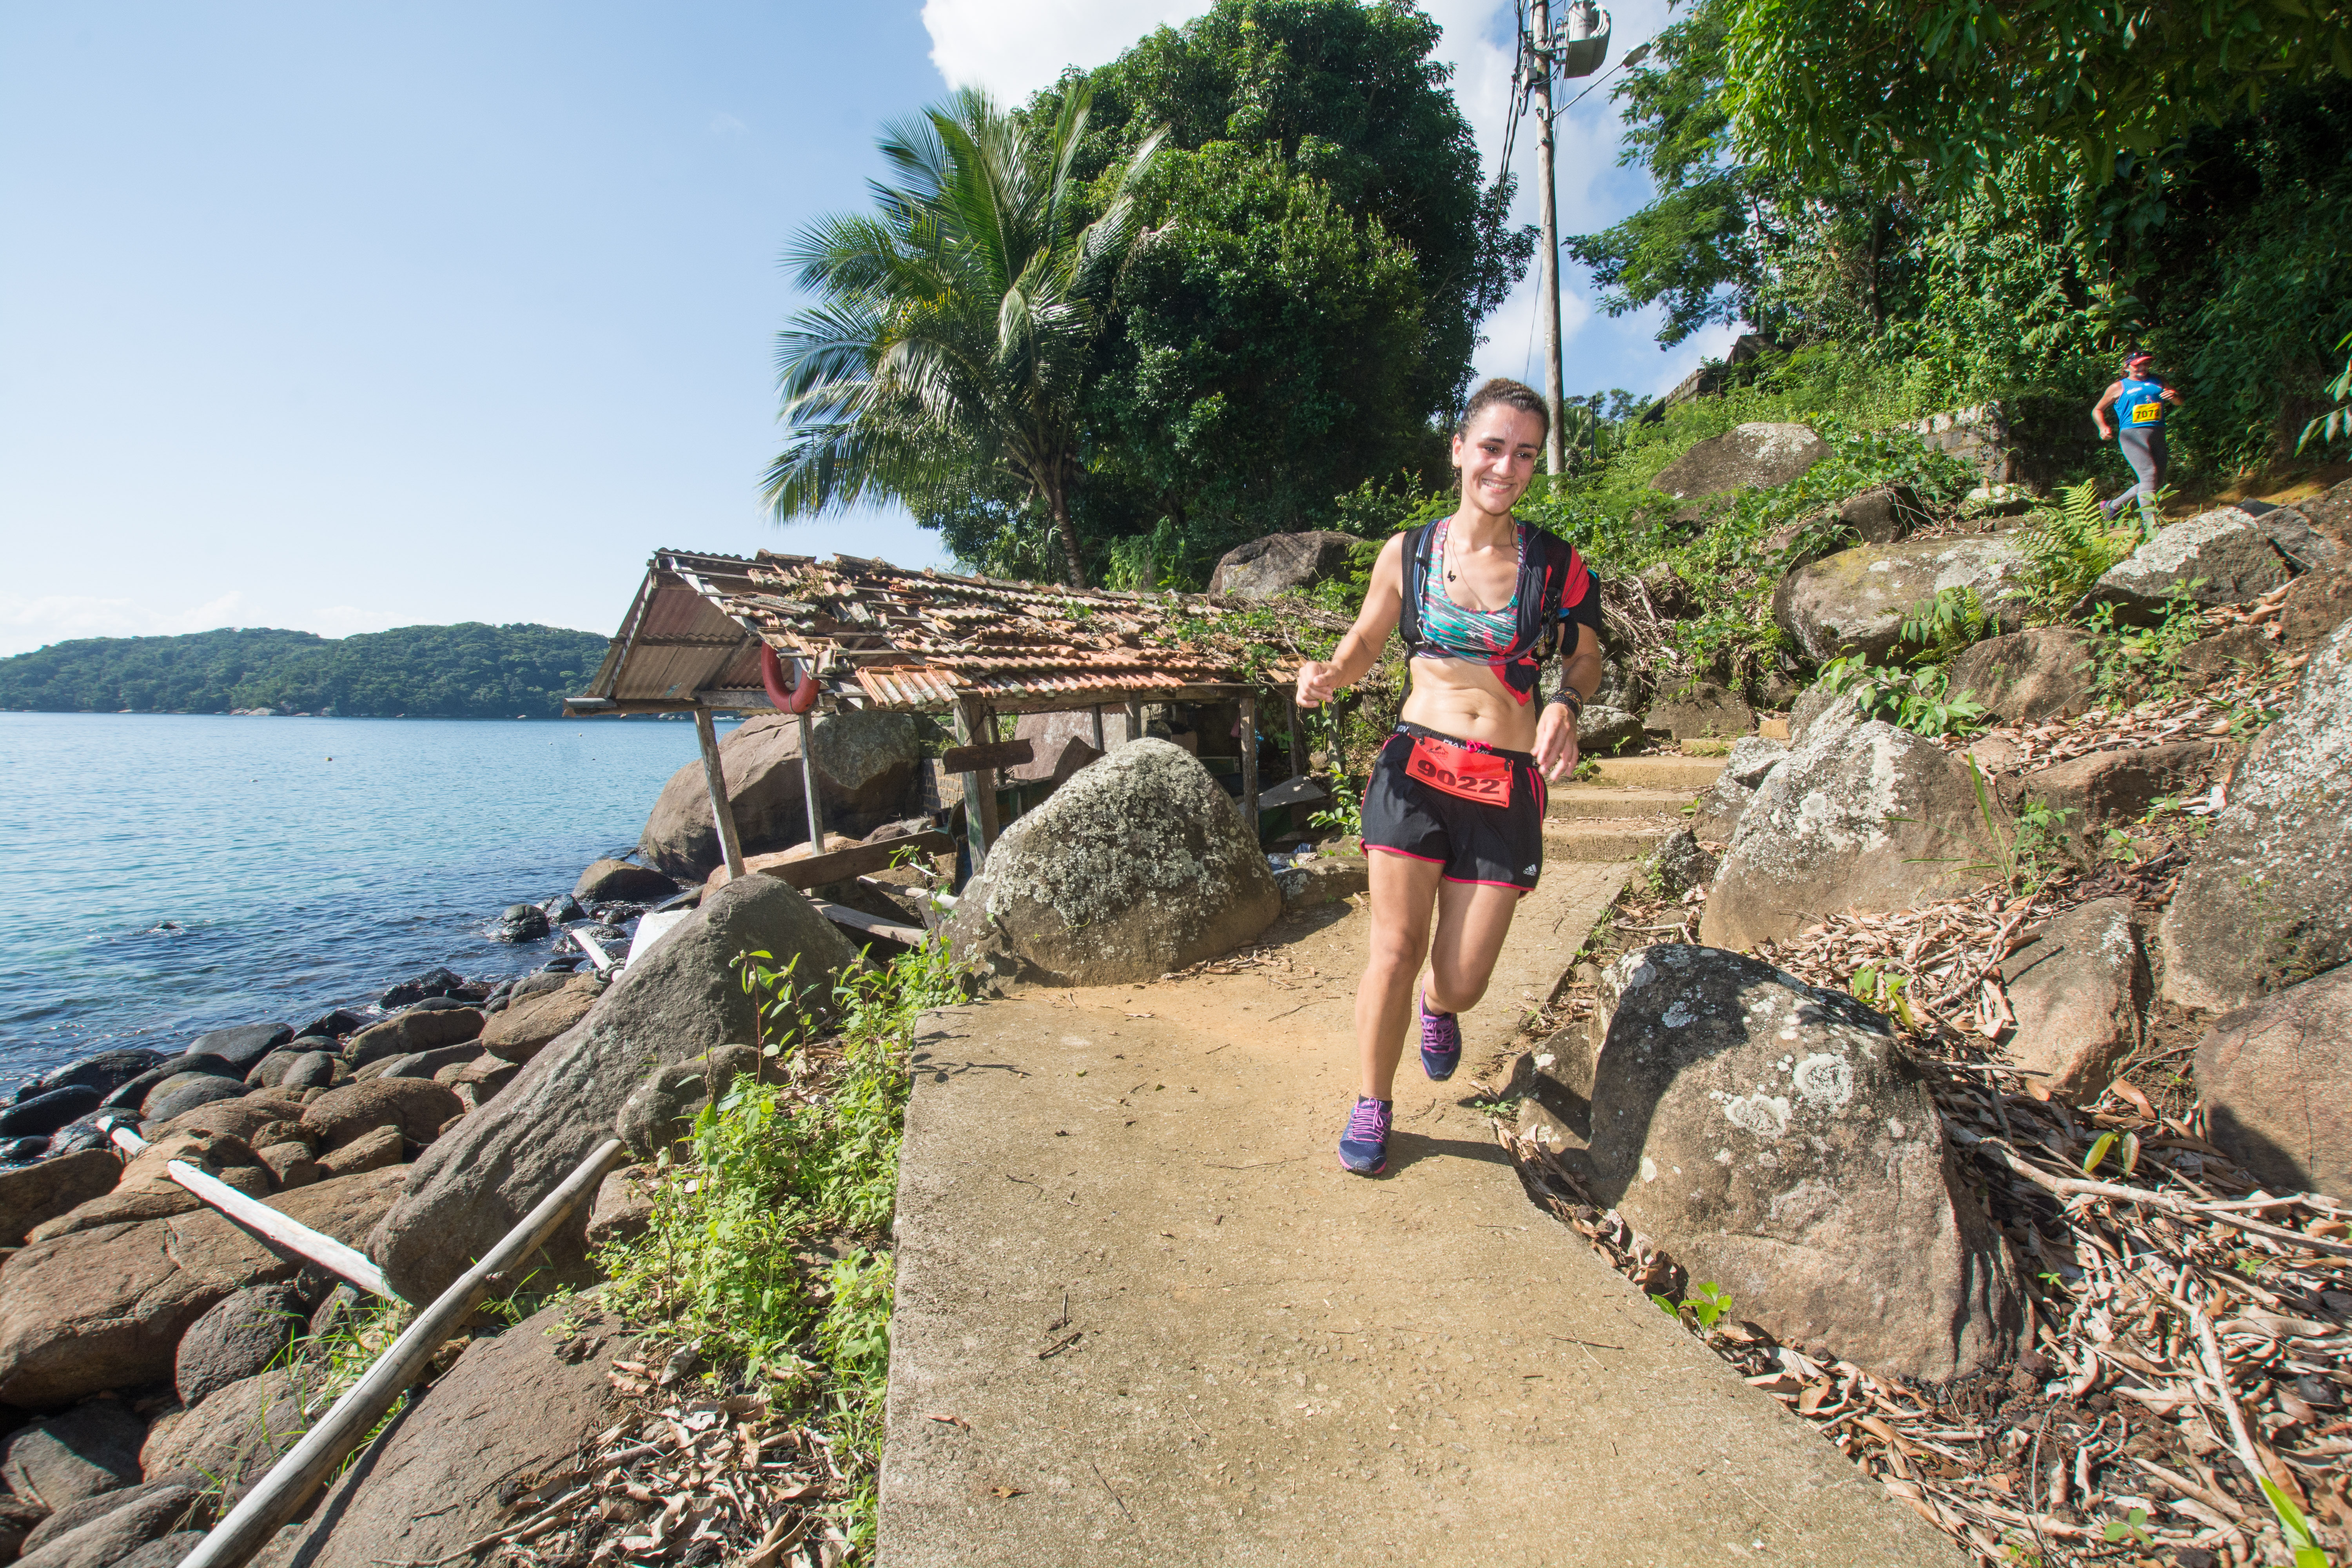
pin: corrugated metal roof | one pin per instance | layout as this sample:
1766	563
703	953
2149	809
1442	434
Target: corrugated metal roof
884	636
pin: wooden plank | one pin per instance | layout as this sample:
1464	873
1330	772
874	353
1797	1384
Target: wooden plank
714	778
976	785
856	860
872	925
1249	764
1291	792
988	754
279	1230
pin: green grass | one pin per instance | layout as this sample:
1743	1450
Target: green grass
771	1246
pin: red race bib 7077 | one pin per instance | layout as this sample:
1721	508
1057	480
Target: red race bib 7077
1481	776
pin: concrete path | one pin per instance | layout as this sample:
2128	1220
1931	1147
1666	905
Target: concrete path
1144	1318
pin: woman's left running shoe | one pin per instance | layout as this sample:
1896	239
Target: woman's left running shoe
1441	1042
1364	1146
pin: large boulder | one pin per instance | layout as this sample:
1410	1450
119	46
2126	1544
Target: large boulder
418	1029
2078	989
2275	1077
1746	458
183	1092
513	1411
74	1455
32	1193
1857	600
2220	557
129	1535
105	1072
1716	818
243	1045
1884	514
866	765
2109	789
1775	1139
2290	531
1062	743
1701	710
45	1113
1137	866
675	1002
1862	816
2044	672
105	1308
2268	900
237	1431
1281	563
417	1106
2317	604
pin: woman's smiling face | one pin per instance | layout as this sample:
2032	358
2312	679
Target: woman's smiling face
1497	458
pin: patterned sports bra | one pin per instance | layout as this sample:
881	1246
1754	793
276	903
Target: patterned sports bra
1447	627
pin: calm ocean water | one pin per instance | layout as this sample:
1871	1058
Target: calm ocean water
290	883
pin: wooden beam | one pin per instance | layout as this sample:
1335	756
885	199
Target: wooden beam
872	925
280	1231
1101	747
856	860
973	729
1249	764
808	783
1297	748
988	754
722	810
1135	721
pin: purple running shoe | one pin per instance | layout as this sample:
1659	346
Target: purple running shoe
1441	1042
1364	1146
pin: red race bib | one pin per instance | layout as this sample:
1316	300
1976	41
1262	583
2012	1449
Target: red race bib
1481	776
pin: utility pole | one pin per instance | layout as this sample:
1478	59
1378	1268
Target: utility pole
1539	93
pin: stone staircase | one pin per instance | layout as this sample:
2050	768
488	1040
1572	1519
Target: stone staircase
1622	814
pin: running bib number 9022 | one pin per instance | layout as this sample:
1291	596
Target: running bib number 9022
1481	776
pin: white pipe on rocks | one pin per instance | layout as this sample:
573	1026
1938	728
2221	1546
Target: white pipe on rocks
281	1493
268	1223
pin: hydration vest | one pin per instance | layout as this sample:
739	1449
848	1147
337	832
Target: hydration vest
1553	583
2140	405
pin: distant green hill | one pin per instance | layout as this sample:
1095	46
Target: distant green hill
466	671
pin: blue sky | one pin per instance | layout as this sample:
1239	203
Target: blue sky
344	318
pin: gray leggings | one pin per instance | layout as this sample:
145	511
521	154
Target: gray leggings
2143	450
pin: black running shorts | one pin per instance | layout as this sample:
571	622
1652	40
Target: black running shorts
1493	846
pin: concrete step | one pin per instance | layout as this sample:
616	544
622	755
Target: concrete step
1605	837
1582	800
1667	772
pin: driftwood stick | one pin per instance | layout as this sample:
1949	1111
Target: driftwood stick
281	1493
279	1230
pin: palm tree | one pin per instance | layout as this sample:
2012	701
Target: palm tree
955	320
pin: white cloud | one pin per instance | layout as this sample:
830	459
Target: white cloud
30	622
1012	48
722	124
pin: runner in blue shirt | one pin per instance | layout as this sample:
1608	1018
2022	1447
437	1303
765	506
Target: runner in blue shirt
2139	401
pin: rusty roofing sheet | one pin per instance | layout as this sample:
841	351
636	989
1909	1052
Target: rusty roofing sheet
885	636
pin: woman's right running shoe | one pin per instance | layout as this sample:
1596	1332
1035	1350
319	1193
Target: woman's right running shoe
1364	1146
1441	1042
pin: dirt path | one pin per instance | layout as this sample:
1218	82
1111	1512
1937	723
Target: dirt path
1143	1317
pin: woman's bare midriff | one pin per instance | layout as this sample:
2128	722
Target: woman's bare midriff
1469	702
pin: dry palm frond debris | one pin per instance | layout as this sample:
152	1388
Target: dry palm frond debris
691	1480
2188	1330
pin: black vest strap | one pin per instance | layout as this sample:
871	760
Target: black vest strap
1544	576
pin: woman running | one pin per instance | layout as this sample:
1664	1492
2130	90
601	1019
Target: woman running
1453	814
2139	401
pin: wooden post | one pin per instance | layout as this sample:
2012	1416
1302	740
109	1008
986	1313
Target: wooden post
1297	748
1249	764
1135	721
277	1229
992	822
722	810
1099	746
279	1495
808	783
975	784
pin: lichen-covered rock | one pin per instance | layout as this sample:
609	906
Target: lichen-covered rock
1603	729
1678	864
2267	900
2078	989
2317	604
1862	816
1281	563
1747	456
2044	672
2275	1077
1716	818
1137	866
1700	711
1751	758
679	1000
1774	1138
1856	601
865	766
2220	557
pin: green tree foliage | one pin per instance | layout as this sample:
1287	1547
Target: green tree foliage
954	331
1317	250
464	671
1988	254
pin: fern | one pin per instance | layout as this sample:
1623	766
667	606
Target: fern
1943	626
2070	547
